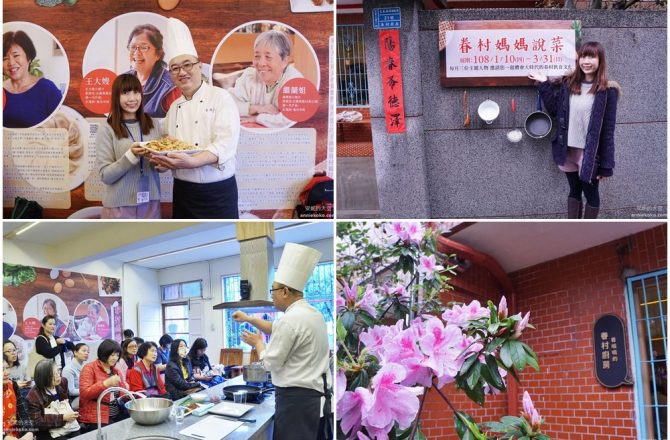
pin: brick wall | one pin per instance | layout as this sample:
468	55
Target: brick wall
564	296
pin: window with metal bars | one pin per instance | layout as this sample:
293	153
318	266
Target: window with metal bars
352	79
318	292
648	302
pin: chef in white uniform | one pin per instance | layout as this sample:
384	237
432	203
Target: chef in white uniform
297	353
204	116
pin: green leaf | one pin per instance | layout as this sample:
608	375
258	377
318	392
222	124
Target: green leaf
511	421
341	331
513	353
496	426
474	375
367	319
533	363
495	343
418	435
460	426
496	379
475	394
467	364
506	355
348	318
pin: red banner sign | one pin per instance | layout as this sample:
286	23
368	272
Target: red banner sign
394	108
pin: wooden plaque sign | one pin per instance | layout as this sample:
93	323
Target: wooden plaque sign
609	346
501	53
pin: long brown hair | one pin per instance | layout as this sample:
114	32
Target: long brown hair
575	79
122	84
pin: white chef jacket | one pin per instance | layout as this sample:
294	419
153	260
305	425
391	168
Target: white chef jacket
210	121
297	353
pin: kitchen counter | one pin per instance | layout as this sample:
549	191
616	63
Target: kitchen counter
262	429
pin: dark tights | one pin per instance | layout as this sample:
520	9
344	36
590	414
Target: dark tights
590	190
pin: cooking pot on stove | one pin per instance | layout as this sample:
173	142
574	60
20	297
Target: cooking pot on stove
255	372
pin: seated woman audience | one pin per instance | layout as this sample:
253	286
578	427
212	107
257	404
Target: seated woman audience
202	369
163	351
17	370
128	356
179	379
95	378
15	421
144	376
49	387
72	371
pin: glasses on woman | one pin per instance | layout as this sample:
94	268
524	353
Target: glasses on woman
187	66
143	48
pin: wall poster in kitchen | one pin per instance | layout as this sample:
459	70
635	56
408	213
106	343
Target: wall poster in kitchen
87	307
273	62
501	52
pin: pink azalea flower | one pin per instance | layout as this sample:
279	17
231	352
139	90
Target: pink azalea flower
397	290
502	308
531	413
460	315
407	232
428	267
340	385
369	301
375	339
391	402
396	231
350	408
350	293
349	299
340	303
442	347
519	326
415	232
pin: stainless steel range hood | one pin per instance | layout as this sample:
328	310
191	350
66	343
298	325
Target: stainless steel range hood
256	263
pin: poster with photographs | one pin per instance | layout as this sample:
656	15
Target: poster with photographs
86	309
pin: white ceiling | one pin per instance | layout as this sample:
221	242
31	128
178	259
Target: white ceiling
187	244
517	245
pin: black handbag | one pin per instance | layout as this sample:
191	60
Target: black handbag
24	208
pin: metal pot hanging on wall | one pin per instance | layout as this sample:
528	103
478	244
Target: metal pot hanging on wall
538	124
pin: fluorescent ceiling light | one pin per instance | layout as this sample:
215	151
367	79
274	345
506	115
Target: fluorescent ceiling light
23	229
202	246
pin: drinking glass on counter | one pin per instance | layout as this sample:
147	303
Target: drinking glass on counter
240	397
179	414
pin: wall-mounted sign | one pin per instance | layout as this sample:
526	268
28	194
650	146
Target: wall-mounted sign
609	346
386	18
501	53
394	107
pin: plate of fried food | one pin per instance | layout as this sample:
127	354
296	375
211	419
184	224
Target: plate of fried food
167	145
312	5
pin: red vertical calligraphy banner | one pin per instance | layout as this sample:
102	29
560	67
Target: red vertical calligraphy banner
394	108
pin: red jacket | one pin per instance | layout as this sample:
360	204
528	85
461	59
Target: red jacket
136	383
90	387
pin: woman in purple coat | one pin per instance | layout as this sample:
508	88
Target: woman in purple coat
585	109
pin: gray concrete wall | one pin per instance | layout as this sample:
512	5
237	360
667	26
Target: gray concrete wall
476	172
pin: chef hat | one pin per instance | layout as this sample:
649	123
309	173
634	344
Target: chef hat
296	265
178	40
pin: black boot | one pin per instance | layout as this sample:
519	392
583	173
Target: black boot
574	208
591	212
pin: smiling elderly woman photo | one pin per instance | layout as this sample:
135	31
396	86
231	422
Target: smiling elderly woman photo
29	99
256	91
145	52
